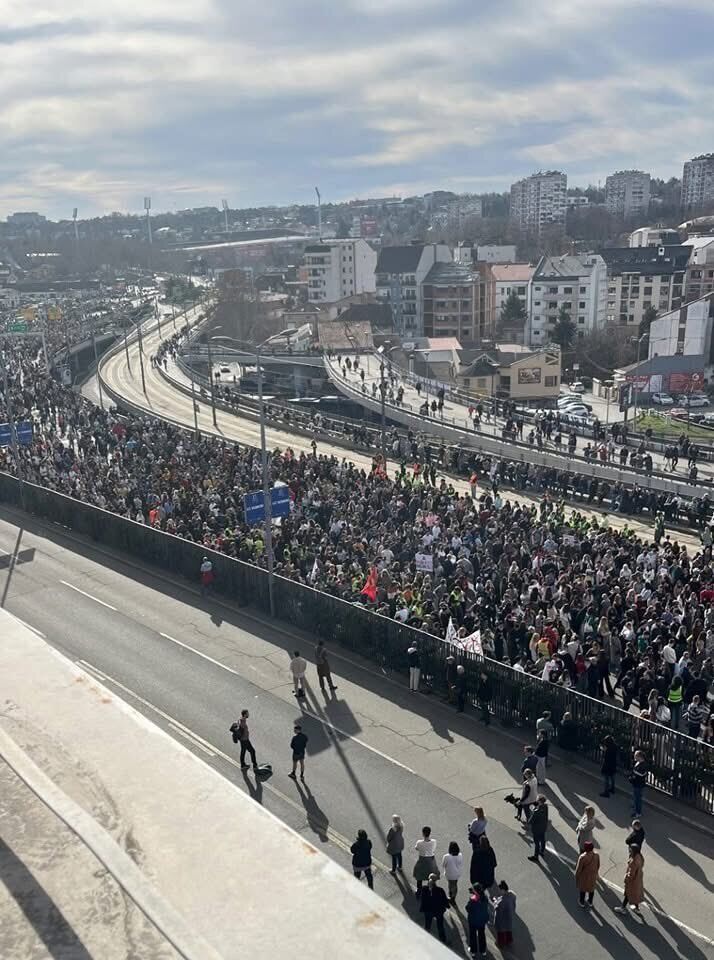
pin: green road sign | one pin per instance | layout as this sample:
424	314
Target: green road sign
19	327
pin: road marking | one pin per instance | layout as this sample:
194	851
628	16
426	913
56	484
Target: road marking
191	739
309	713
337	838
85	594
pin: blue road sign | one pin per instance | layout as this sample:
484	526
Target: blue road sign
24	433
254	504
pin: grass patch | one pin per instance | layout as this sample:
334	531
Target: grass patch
664	427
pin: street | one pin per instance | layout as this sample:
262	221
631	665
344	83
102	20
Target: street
374	750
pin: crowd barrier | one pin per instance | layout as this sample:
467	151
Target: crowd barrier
678	765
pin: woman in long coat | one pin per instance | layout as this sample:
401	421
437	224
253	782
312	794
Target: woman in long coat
587	870
483	864
634	881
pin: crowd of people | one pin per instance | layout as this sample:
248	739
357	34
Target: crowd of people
566	597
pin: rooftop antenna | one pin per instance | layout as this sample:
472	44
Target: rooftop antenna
224	204
319	215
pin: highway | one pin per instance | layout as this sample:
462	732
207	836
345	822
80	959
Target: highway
190	666
165	400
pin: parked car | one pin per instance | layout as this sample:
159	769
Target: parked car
578	387
662	400
693	400
572	405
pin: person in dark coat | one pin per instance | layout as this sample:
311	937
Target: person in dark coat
483	863
568	733
434	904
538	822
609	766
485	695
361	851
461	688
477	913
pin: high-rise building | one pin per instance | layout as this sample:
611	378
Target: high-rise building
539	202
339	268
627	193
640	278
698	181
400	274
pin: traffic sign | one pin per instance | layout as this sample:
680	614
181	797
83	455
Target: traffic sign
23	429
18	327
254	504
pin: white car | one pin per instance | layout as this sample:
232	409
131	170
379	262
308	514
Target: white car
577	387
693	400
662	400
570	404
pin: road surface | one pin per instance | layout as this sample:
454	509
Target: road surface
374	749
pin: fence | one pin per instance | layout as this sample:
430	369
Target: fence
679	765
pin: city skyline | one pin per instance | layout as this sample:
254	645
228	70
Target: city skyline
189	102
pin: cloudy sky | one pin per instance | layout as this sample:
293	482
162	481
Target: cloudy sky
189	101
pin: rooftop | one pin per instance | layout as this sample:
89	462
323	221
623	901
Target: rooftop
566	267
449	273
514	272
404	259
648	261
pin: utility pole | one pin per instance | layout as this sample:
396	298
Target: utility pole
267	503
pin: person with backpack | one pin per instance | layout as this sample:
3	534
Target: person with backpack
241	735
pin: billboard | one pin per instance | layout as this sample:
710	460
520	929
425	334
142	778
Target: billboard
529	375
639	382
686	382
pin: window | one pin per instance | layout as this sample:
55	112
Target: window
567	289
568	304
522	291
538	289
481	383
536	333
552	289
551	381
583	289
581	334
581	319
648	291
536	303
552	305
582	304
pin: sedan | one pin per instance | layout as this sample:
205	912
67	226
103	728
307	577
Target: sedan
662	400
693	400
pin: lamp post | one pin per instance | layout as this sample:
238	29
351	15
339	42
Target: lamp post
96	366
126	348
141	357
636	391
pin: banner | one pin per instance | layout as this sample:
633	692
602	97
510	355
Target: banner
424	562
471	644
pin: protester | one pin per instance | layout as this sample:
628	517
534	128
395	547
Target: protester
323	667
426	862
477	914
538	823
483	863
361	851
585	827
452	865
634	881
638	781
298	667
298	745
636	836
243	733
609	765
478	826
395	843
505	914
434	904
587	871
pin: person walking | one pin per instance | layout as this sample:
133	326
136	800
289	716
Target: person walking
414	667
433	905
609	765
478	826
541	753
477	914
298	667
452	865
361	851
528	797
587	871
426	861
395	843
206	575
638	780
585	827
483	863
323	667
241	731
298	745
634	881
538	822
504	915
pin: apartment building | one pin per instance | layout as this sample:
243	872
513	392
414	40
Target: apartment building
627	193
540	202
686	331
511	278
400	272
698	181
339	268
577	283
642	277
699	276
458	302
653	237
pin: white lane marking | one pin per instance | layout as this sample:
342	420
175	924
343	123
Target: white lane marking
191	739
620	891
336	837
85	594
325	723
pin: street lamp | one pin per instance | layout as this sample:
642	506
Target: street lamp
96	367
639	346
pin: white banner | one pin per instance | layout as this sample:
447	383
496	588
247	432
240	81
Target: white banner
424	562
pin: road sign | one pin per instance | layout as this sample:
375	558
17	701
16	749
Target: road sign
18	327
254	504
24	433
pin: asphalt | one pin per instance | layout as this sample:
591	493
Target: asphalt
373	750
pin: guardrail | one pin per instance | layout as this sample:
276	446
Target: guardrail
678	765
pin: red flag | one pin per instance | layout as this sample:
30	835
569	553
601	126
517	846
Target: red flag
369	590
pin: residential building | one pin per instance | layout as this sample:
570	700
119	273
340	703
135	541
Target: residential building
492	253
653	236
577	283
627	193
511	278
400	273
338	269
539	202
686	331
457	301
699	277
512	372
577	200
698	181
642	277
26	219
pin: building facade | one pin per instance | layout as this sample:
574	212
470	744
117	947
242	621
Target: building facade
685	332
338	269
698	181
511	373
642	277
511	278
627	193
458	302
579	284
699	277
399	274
539	202
653	237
